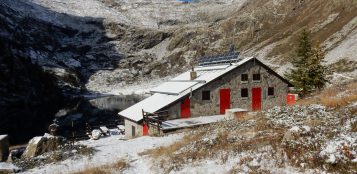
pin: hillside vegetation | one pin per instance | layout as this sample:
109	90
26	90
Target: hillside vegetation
305	138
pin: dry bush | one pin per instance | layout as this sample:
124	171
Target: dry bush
162	151
262	124
215	141
330	97
93	170
354	126
335	102
105	169
352	86
121	164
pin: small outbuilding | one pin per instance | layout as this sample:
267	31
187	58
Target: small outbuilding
218	83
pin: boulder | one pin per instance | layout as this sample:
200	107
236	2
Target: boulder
296	132
96	133
41	144
4	147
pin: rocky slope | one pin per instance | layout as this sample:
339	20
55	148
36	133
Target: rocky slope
266	29
104	45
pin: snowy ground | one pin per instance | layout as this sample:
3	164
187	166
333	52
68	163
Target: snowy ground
110	150
7	166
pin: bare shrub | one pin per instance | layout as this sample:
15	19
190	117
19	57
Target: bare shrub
332	97
105	169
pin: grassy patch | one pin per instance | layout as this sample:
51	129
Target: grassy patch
334	97
216	141
106	169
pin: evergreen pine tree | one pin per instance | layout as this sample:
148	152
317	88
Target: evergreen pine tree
317	71
308	72
298	75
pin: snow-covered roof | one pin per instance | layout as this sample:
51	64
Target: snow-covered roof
178	87
3	136
174	87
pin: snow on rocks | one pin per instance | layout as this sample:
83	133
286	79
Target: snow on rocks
41	144
342	148
96	133
298	115
296	132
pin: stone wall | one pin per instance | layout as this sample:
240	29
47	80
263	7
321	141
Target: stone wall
232	80
128	129
174	111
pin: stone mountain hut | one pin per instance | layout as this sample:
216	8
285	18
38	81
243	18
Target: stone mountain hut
216	84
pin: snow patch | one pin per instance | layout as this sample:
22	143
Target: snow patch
109	150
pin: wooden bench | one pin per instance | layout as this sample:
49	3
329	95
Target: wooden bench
236	113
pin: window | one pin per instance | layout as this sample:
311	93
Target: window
256	77
206	95
244	92
244	77
133	131
271	91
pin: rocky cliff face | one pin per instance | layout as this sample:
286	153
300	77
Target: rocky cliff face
28	95
69	52
74	47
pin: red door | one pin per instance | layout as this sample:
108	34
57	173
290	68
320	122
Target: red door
290	98
256	99
185	108
225	100
145	129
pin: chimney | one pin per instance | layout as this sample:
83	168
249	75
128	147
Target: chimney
193	74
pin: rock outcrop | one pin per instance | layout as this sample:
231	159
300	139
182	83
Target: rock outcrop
41	144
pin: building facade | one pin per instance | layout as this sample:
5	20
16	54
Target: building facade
248	85
236	89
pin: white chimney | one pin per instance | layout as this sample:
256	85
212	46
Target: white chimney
193	74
